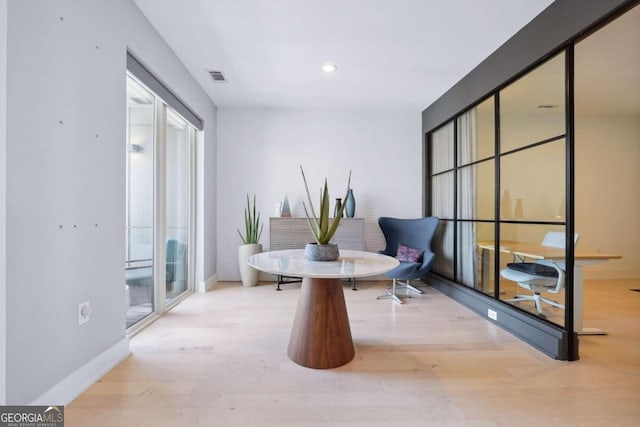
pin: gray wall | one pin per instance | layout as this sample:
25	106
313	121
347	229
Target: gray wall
66	167
3	199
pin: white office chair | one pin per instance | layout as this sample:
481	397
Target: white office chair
539	276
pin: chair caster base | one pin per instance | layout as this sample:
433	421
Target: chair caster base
391	296
410	288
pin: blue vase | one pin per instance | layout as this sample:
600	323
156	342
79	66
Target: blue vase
350	205
337	208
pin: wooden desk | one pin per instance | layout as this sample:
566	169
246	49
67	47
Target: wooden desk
581	258
321	335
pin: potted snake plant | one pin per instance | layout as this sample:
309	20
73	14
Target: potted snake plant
251	243
322	227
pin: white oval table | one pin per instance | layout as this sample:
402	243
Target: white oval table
321	335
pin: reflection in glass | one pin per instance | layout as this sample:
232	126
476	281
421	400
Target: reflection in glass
466	264
139	202
532	108
177	206
443	248
474	262
442	195
476	133
476	191
533	183
442	147
524	243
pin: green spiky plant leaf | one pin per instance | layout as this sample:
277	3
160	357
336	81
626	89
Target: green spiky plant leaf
252	226
322	227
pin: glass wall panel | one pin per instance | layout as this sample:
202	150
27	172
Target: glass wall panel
484	256
539	250
532	108
532	185
442	195
607	149
476	133
139	202
443	248
442	148
177	207
532	182
474	261
466	254
476	191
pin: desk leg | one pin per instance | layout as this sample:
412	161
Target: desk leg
578	304
321	335
486	269
485	274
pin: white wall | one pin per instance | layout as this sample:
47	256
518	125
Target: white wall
607	199
607	207
66	167
536	176
259	151
3	198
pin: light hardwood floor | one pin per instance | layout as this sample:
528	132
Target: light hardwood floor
219	359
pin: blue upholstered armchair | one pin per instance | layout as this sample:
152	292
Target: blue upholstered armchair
413	237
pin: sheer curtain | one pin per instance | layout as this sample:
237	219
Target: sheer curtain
467	194
442	191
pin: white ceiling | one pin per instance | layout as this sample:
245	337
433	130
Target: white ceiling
391	54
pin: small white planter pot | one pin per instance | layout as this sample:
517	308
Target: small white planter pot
248	274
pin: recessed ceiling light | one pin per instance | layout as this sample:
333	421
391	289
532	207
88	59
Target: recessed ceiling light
329	68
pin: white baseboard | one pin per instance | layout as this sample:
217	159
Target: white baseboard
72	386
205	286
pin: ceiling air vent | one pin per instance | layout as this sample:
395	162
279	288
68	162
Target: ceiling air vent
218	77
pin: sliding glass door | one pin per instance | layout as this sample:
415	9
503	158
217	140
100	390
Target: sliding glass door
159	205
178	142
140	169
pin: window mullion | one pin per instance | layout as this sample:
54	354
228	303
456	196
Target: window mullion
160	186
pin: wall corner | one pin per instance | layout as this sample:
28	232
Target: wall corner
3	200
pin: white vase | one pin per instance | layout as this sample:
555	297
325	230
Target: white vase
248	274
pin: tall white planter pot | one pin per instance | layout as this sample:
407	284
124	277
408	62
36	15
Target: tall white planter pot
248	274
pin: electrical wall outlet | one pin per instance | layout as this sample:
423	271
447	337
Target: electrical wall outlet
85	310
492	314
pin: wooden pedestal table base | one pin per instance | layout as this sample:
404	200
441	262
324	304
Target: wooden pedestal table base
321	335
